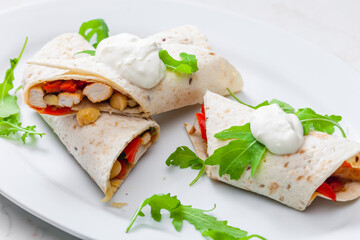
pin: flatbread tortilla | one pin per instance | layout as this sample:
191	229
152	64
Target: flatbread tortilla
97	146
291	179
58	60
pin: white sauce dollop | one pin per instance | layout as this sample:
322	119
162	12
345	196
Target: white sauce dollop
280	132
133	58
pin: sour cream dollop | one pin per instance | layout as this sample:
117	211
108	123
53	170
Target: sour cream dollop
133	58
280	132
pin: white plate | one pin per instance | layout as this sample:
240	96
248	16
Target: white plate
46	181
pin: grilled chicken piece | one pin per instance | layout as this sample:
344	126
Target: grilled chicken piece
36	96
69	99
97	92
145	139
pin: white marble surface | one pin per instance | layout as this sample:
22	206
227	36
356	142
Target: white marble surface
332	25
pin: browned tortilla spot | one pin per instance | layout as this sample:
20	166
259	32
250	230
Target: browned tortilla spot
302	151
308	179
299	178
321	135
262	185
273	187
192	130
281	199
227	110
288	186
246	188
286	164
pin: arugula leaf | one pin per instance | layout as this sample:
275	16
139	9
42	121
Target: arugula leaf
234	157
313	121
188	63
185	158
309	119
18	89
284	106
225	236
8	104
9	109
260	105
92	27
11	125
208	225
90	52
236	132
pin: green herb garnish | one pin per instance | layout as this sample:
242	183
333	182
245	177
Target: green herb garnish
187	65
92	27
9	109
185	158
90	52
208	225
309	119
152	131
234	157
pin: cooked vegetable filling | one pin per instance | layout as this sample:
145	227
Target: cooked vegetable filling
336	182
126	161
58	97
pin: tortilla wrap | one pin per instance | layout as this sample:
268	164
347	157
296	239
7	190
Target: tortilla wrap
57	61
291	179
97	146
187	34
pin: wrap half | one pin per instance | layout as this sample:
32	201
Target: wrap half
89	83
291	179
108	149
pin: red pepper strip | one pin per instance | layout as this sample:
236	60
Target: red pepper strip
202	124
51	87
202	109
52	110
326	190
335	183
123	169
68	86
131	149
81	84
346	164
